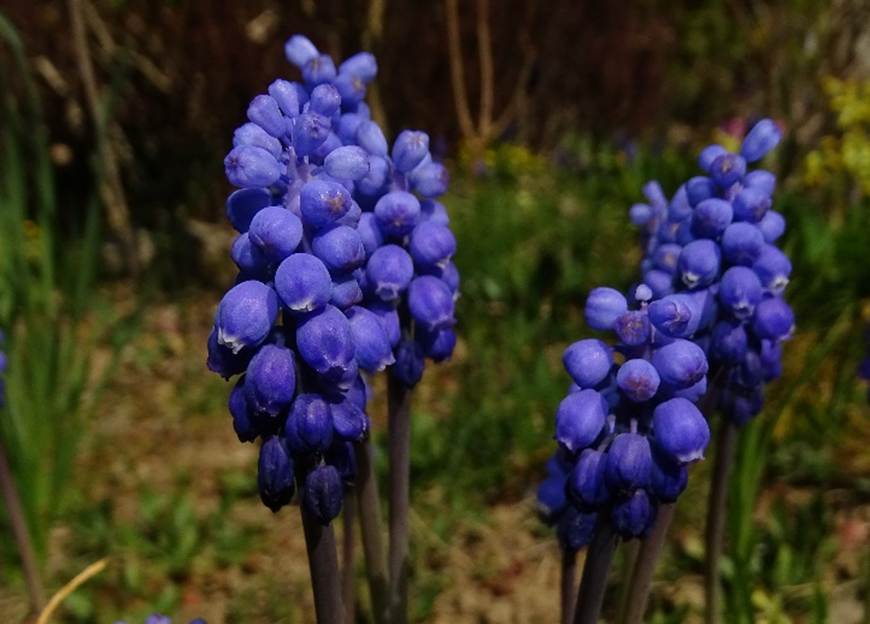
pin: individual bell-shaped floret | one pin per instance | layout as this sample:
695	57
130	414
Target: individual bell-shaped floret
310	131
762	138
634	515
245	315
603	306
698	189
275	474
628	462
434	211
633	328
666	256
550	499
349	162
728	342
438	344
309	425
638	380
772	226
325	344
727	169
711	217
346	291
371	138
742	243
223	361
667	479
709	154
576	528
341	249
676	316
588	361
680	430
252	134
322	494
430	302
349	421
265	112
740	291
586	483
270	381
751	204
299	50
580	419
397	213
409	149
698	265
249	166
389	318
370	233
680	364
286	94
432	245
410	363
773	269
774	319
430	179
318	70
389	271
362	65
252	262
341	456
659	282
324	100
303	283
323	203
276	232
243	424
372	345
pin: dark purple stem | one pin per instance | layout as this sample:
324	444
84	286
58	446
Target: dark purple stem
347	555
568	591
716	517
370	527
593	584
399	401
323	564
645	566
21	534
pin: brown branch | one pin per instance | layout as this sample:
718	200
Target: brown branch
487	87
457	72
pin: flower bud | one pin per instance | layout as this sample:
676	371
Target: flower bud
286	95
676	316
430	302
742	243
347	163
275	474
740	291
580	419
397	213
680	430
774	319
680	364
438	344
763	137
772	226
633	516
603	306
276	231
698	189
430	179
270	380
371	138
325	343
432	245
264	111
667	479
310	131
243	424
322	494
727	169
349	421
325	100
389	272
243	204
303	283
299	50
245	315
318	70
711	217
659	282
341	456
632	328
252	134
341	249
628	462
389	319
588	362
761	180
409	363
250	166
576	529
638	380
434	212
409	149
362	65
551	497
773	269
640	214
223	361
309	425
729	342
323	203
372	346
586	482
248	257
376	181
708	155
698	265
751	204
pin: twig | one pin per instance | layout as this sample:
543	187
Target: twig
21	534
457	71
347	555
716	517
484	51
370	527
79	579
399	401
323	565
644	568
568	591
593	584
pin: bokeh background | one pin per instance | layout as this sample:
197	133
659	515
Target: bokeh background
115	119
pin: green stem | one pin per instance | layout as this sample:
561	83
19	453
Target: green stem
644	568
370	527
399	402
715	531
593	584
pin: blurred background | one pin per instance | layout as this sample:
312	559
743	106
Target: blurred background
116	116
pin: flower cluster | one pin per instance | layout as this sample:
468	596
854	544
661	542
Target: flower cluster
338	237
715	271
629	426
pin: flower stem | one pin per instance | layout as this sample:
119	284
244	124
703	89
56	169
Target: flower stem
716	517
370	526
399	401
629	559
568	588
593	584
645	565
323	565
21	534
348	555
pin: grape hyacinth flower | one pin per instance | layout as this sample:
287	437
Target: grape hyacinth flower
345	268
724	293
